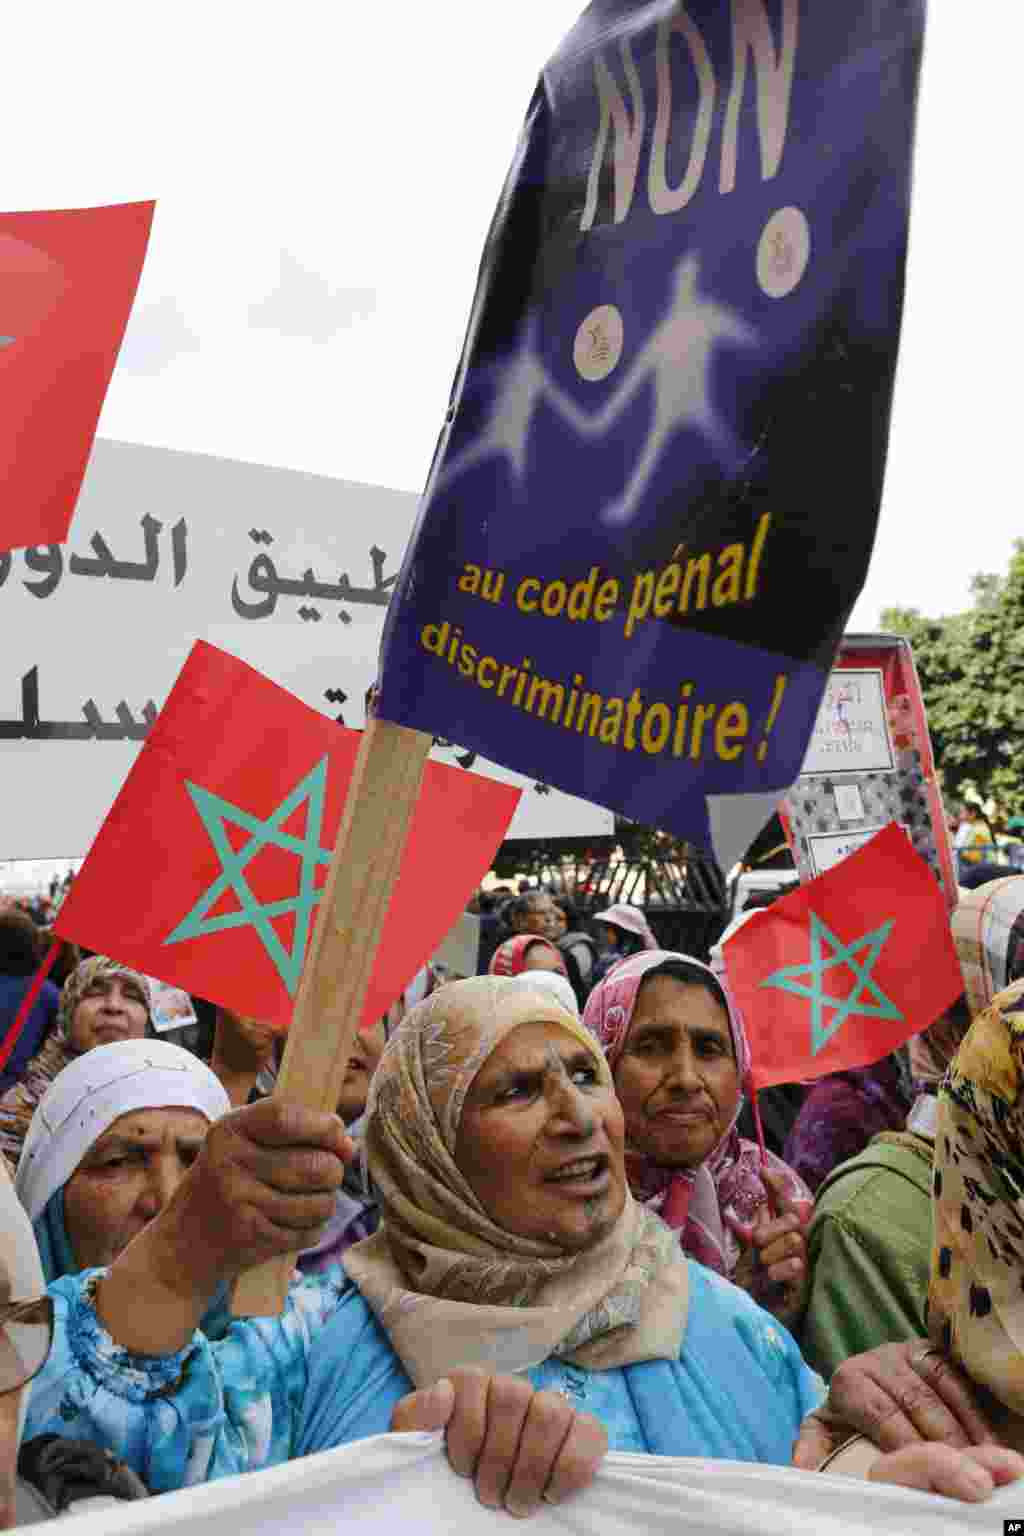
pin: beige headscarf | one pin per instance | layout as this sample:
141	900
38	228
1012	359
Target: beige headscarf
976	1301
450	1286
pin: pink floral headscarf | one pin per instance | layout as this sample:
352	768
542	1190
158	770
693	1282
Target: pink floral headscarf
712	1206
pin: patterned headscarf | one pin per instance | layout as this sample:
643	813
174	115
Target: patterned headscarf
451	1286
509	959
18	1104
85	973
713	1205
976	1301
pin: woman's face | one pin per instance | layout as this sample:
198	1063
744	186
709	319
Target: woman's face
364	1055
537	918
677	1079
558	926
126	1178
541	1139
113	1008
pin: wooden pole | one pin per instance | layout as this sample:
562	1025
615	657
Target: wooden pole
362	874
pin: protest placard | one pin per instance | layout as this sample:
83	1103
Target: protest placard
655	494
93	645
681	350
68	280
869	762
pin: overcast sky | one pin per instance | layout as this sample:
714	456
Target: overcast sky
325	174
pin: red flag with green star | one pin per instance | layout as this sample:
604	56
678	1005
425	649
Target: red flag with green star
208	869
67	282
846	968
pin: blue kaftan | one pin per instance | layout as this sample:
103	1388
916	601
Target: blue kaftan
325	1374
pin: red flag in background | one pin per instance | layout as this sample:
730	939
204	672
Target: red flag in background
847	967
206	871
67	282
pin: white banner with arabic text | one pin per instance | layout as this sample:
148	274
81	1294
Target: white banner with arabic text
289	571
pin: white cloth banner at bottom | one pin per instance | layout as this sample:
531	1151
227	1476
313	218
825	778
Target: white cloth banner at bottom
393	1483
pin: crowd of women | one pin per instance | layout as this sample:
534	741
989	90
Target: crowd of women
536	1225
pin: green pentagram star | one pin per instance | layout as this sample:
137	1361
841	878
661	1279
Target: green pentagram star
214	812
842	954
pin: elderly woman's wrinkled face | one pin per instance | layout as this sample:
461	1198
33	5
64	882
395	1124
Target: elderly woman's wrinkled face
113	1008
541	1139
677	1078
126	1178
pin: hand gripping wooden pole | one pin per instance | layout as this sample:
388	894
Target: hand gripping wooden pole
362	874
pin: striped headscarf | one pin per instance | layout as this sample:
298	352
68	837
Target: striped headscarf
509	959
988	931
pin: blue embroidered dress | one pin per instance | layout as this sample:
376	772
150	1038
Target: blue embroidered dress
325	1374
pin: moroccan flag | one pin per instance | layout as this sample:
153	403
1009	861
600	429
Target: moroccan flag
208	868
846	968
67	282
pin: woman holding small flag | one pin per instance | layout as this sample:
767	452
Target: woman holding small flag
680	1059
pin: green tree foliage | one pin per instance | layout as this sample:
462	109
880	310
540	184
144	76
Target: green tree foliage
971	667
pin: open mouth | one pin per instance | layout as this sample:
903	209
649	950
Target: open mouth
583	1175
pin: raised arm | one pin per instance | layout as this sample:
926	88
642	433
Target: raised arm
263	1184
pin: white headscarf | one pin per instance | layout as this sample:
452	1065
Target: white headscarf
549	981
95	1090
